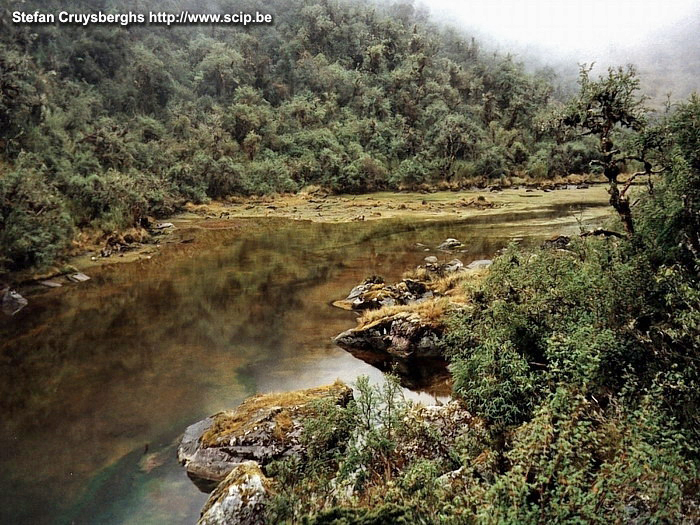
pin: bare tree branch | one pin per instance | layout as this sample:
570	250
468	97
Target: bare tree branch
637	174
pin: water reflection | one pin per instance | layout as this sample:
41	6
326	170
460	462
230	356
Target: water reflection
100	378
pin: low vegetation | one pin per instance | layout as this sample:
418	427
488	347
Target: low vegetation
228	424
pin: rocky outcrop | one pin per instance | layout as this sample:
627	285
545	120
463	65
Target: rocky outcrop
244	492
240	498
402	324
401	335
263	428
374	293
206	466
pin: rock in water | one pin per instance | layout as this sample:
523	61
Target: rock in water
78	277
374	293
239	499
455	265
401	335
50	284
449	244
206	467
263	428
12	302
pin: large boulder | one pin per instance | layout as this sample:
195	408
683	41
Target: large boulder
240	498
262	429
402	335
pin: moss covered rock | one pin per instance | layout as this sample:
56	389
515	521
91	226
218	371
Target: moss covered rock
263	428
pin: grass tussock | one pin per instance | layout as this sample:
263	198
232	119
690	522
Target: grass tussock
456	284
451	291
432	311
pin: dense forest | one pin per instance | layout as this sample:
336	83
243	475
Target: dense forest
575	364
104	125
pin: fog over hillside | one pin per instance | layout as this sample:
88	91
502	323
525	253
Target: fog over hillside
660	38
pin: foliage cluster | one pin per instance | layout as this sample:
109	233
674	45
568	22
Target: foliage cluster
120	123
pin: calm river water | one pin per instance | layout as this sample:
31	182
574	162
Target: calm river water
100	378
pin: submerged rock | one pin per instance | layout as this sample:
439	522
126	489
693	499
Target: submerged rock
239	499
263	428
12	302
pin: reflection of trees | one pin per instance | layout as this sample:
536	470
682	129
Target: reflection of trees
231	296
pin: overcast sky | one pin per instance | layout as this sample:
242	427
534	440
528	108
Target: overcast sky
582	28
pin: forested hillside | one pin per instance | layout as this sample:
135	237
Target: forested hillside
103	125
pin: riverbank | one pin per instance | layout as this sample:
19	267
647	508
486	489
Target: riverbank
142	244
235	214
318	206
531	343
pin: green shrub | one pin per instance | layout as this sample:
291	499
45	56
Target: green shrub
549	317
411	172
34	224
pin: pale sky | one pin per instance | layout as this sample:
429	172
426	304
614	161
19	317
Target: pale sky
577	27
